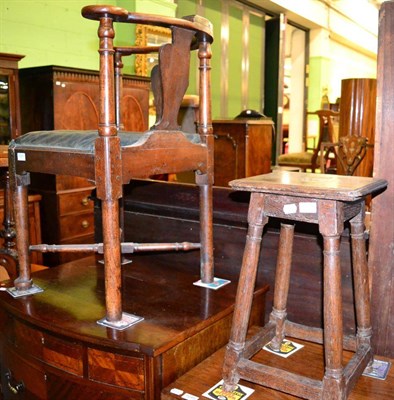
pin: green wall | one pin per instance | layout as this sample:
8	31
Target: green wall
49	33
212	10
55	33
319	74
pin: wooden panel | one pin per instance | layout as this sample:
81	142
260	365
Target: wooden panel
381	260
64	182
63	354
258	160
116	369
27	340
198	347
242	148
77	201
135	103
75	225
62	388
132	114
22	370
77	110
227	165
357	117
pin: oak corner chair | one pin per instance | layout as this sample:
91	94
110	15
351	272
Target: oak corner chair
110	157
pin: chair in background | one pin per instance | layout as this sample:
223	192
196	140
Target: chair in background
310	160
111	158
349	151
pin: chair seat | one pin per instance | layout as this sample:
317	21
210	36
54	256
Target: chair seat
304	158
82	141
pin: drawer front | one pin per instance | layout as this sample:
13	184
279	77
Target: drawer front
116	369
27	340
62	354
59	387
21	378
75	202
65	355
76	225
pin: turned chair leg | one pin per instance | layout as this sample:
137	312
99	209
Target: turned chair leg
24	281
112	260
282	282
206	233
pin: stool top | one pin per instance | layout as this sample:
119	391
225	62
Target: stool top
304	184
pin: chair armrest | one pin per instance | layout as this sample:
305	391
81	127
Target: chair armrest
324	153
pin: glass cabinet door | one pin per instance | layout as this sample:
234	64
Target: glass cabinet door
10	124
5	114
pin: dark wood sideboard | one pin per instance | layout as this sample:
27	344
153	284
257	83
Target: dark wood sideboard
242	148
55	97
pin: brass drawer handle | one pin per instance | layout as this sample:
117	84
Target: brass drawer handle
85	201
15	388
85	224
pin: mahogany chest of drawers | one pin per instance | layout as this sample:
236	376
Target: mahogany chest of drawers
51	346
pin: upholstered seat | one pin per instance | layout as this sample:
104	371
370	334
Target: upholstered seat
303	159
82	141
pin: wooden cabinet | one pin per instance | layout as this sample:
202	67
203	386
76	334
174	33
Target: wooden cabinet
51	346
10	128
242	148
10	121
66	98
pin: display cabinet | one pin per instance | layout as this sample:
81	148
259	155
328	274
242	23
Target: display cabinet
10	121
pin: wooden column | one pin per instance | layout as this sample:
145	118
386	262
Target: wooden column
381	260
357	117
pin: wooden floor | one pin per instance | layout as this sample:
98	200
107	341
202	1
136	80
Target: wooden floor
308	361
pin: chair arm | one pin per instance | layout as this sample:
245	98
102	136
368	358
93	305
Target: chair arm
326	146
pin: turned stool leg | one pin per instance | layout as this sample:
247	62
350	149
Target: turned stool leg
331	227
282	282
21	211
243	302
333	385
361	284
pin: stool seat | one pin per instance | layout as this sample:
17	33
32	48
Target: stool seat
329	201
318	186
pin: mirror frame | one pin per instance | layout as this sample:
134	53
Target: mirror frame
144	35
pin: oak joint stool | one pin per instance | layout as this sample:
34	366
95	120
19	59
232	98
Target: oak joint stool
329	201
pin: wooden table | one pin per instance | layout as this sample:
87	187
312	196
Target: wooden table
52	343
329	201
